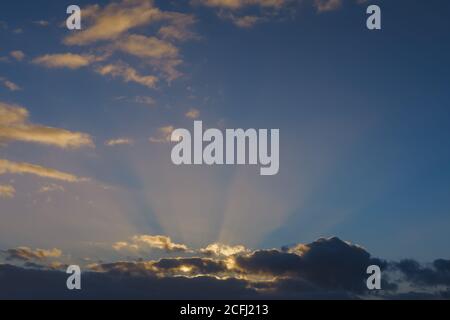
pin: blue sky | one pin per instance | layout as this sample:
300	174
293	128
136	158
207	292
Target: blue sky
363	118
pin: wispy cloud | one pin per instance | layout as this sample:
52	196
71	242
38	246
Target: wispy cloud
65	60
128	74
51	188
9	84
146	100
160	54
327	5
42	23
14	126
10	167
119	142
238	4
145	242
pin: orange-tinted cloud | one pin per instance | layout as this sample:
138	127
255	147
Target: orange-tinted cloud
14	126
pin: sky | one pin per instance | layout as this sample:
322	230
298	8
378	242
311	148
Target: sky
86	117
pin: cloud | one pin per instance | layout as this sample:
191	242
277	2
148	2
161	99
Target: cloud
179	27
9	85
21	283
163	134
112	23
437	274
327	5
144	242
323	269
51	188
65	60
9	167
42	23
147	47
238	4
326	263
190	266
18	55
149	101
119	142
219	249
27	254
160	54
14	126
114	20
128	74
7	191
245	21
193	113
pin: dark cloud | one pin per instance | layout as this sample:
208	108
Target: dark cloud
324	269
20	283
327	263
438	273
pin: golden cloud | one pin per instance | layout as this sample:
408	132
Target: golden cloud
147	47
118	142
193	113
65	60
142	242
163	135
114	20
237	4
327	5
7	191
26	254
220	249
246	21
9	167
14	126
128	74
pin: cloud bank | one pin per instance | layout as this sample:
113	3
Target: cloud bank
324	269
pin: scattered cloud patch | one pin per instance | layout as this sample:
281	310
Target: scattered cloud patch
14	126
163	134
193	113
145	100
145	242
18	55
7	191
11	86
9	167
127	74
65	60
119	142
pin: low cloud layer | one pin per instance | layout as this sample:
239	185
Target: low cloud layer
324	269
